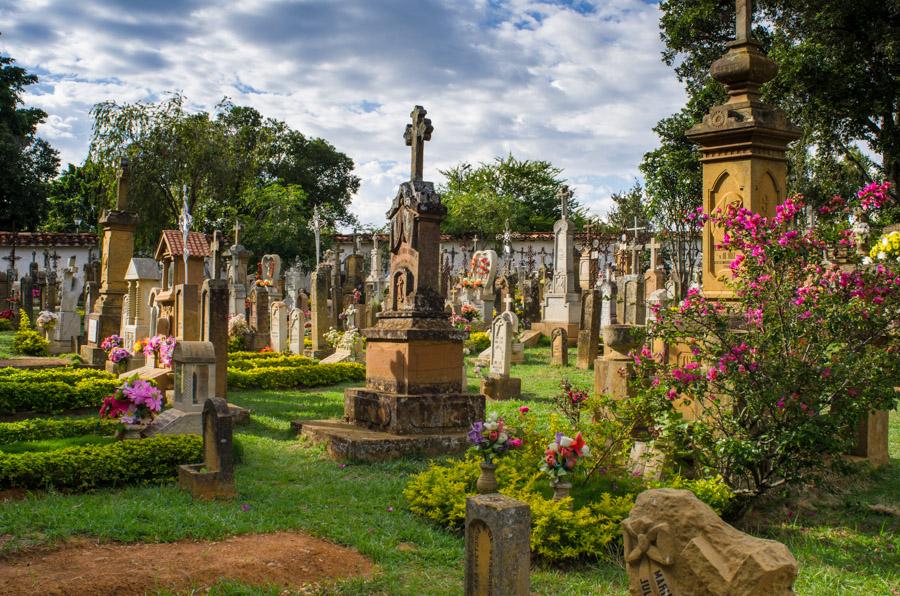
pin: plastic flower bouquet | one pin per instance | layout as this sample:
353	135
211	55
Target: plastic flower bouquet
46	320
135	402
492	438
886	248
469	312
562	455
161	347
112	342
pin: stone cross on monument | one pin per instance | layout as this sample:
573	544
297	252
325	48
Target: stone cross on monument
237	232
654	247
634	249
564	194
415	136
122	183
743	20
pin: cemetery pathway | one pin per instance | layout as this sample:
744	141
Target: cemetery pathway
289	560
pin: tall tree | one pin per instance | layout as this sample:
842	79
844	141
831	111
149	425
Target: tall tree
76	198
839	65
628	207
27	163
481	199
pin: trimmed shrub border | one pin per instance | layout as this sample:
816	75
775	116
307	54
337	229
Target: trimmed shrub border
37	429
285	377
147	461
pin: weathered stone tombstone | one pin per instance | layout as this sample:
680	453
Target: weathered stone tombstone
69	324
142	276
318	304
214	478
259	317
498	546
296	331
635	300
562	303
278	328
194	367
559	347
589	333
238	259
609	293
214	299
499	385
675	544
270	272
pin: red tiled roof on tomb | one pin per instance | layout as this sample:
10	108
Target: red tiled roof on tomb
198	245
48	239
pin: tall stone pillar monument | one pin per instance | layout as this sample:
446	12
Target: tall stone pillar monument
562	302
414	400
743	145
118	246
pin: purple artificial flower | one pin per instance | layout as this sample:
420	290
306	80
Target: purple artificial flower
475	435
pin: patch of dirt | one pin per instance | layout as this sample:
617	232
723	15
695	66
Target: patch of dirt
83	566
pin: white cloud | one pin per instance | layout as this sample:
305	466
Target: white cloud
579	88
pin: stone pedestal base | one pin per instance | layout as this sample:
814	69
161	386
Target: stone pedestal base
546	328
204	485
405	414
349	442
93	356
499	388
611	377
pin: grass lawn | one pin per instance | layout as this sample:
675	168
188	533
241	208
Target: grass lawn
843	547
6	340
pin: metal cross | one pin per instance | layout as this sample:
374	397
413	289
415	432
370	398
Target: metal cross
184	223
415	136
54	257
316	224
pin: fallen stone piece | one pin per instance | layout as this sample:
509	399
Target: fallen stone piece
676	545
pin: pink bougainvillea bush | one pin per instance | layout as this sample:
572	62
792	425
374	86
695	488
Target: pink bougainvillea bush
780	376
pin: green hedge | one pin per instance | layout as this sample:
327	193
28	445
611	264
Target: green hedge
148	461
242	355
280	361
36	429
62	373
283	377
53	396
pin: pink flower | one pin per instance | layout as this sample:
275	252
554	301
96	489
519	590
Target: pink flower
671	394
515	443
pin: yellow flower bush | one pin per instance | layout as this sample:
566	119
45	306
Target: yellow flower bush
887	247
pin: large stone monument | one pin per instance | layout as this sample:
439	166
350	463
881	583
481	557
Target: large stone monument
414	400
105	317
214	299
743	147
319	315
562	303
238	258
675	544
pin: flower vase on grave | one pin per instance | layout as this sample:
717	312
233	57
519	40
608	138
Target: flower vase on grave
561	490
487	482
129	432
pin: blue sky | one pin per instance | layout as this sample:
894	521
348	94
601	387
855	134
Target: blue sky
574	82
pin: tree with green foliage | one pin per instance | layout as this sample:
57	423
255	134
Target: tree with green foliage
481	199
838	72
76	199
27	162
232	165
628	207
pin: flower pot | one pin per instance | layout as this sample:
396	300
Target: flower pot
561	491
487	482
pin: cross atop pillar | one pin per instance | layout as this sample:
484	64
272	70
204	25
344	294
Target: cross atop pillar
743	22
635	229
415	136
123	179
237	232
508	300
564	194
216	247
654	247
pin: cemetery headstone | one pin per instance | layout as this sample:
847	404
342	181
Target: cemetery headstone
676	544
194	367
559	347
498	384
589	334
214	478
259	317
214	301
296	331
318	303
278	330
498	546
562	303
69	324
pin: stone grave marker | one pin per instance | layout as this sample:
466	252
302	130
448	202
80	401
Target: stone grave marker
559	347
589	334
499	385
214	478
318	304
675	544
296	331
278	329
498	546
259	317
69	323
